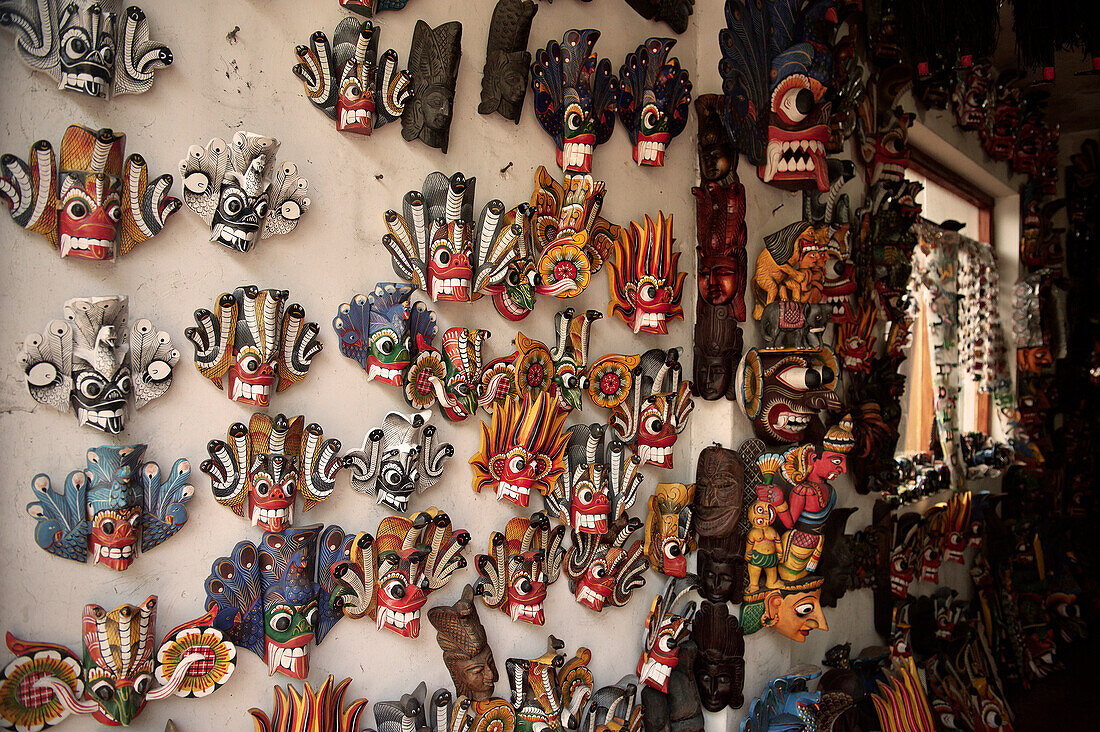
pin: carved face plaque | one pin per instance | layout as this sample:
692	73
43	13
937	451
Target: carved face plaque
507	61
433	64
719	486
719	666
781	391
466	650
793	611
654	99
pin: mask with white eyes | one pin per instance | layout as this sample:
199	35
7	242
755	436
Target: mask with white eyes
781	391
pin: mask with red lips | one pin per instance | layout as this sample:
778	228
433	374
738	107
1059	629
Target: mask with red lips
646	286
883	129
656	409
667	625
782	390
668	537
89	211
654	99
521	563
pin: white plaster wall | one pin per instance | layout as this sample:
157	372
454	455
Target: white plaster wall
216	88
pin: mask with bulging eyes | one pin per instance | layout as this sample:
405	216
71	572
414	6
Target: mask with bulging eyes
782	390
87	50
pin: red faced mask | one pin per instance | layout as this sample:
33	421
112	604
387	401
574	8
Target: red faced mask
114	537
89	210
272	487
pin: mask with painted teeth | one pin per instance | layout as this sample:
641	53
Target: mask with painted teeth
381	331
883	129
521	563
598	485
645	284
667	625
782	390
549	692
654	99
605	569
656	408
668	535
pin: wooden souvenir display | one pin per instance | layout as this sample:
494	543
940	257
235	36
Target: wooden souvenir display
91	203
667	626
521	563
719	664
93	363
656	406
654	99
433	64
646	287
717	521
507	60
668	535
466	651
549	692
311	711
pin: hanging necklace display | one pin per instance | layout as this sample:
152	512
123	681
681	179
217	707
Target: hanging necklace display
507	60
521	563
433	64
654	99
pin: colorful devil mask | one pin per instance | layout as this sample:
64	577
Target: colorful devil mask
645	285
971	95
774	59
667	625
507	61
93	364
562	371
398	459
107	507
720	664
654	99
656	406
883	127
260	469
574	97
263	346
668	537
389	578
381	331
433	65
781	391
455	377
86	47
241	191
521	449
436	245
345	79
605	569
548	692
521	563
311	711
47	682
277	596
90	204
598	486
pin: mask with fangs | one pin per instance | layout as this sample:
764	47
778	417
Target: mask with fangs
94	364
654	99
971	94
605	569
345	79
666	627
831	215
656	406
455	377
121	659
882	128
782	390
241	192
521	563
549	692
276	597
668	535
380	331
646	286
260	469
102	509
598	486
263	346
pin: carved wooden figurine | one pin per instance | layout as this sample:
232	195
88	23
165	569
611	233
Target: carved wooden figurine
322	710
433	63
549	692
654	99
520	564
94	364
346	80
86	46
106	508
241	191
668	536
507	60
466	651
382	331
91	203
46	682
657	405
720	664
263	345
666	627
646	286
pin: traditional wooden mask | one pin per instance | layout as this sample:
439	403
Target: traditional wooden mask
614	708
717	157
102	509
507	60
782	390
605	569
793	609
90	204
466	651
433	64
721	567
346	80
645	285
719	487
263	346
389	578
855	339
673	12
260	469
666	627
668	537
836	557
311	711
85	47
436	246
656	407
958	524
548	692
598	486
883	127
398	459
241	191
900	703
575	97
766	65
785	698
456	376
47	682
276	597
383	330
563	371
720	219
791	267
720	664
654	99
1001	119
521	563
522	448
93	364
971	95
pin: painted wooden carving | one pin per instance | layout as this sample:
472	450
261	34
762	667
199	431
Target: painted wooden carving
507	60
259	470
666	627
720	663
901	703
718	522
783	699
86	46
882	127
614	708
435	245
466	651
433	64
606	569
781	391
389	576
654	99
971	95
673	12
791	269
277	596
345	78
383	331
521	563
657	405
521	450
777	86
322	710
680	708
398	459
112	679
646	287
108	507
455	377
241	191
549	692
721	564
94	364
91	203
263	344
668	535
575	97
